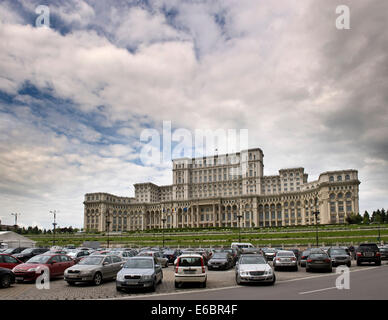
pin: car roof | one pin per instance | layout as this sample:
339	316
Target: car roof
142	257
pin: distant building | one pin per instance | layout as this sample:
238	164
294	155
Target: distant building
215	191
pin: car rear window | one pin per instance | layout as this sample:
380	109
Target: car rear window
364	247
285	254
190	262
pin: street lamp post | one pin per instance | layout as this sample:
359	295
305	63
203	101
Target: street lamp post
163	220
54	224
239	227
316	213
107	227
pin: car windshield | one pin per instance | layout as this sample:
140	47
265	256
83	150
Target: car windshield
9	250
305	253
39	259
338	251
253	260
220	255
139	264
91	261
29	250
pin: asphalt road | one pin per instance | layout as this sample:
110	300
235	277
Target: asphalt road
367	282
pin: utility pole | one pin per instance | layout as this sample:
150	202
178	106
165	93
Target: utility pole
16	219
54	223
107	227
239	227
163	220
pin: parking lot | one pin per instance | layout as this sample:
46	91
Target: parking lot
60	290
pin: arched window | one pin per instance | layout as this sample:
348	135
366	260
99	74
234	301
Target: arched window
339	178
347	177
331	179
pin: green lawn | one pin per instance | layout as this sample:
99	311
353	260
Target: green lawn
298	235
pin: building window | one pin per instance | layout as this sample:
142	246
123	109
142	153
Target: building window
331	179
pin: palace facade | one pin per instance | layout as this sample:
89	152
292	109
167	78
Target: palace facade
227	191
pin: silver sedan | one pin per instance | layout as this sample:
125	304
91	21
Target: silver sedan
95	269
254	268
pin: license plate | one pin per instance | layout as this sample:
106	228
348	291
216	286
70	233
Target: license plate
318	261
19	278
189	271
215	266
369	254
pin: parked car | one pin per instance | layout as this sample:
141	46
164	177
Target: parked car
77	255
269	253
8	261
190	268
285	259
139	272
220	260
234	253
339	256
29	253
296	253
384	253
171	255
56	263
94	269
303	258
124	255
251	250
368	252
6	278
254	268
318	260
240	245
156	254
13	251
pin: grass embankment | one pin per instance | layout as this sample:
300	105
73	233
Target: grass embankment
288	236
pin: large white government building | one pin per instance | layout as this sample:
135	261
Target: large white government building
227	191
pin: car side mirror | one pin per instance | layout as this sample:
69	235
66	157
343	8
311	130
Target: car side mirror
157	266
52	262
105	263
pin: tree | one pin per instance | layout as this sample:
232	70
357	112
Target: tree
366	218
354	218
383	216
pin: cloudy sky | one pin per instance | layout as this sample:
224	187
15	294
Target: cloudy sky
75	97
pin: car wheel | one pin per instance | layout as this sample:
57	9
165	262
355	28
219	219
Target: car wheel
97	279
153	288
378	263
177	285
273	281
349	264
203	284
166	264
5	281
238	280
118	289
296	268
307	269
358	263
330	270
71	283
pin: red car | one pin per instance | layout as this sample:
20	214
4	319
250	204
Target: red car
57	264
9	262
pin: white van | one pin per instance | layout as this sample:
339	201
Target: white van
241	245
